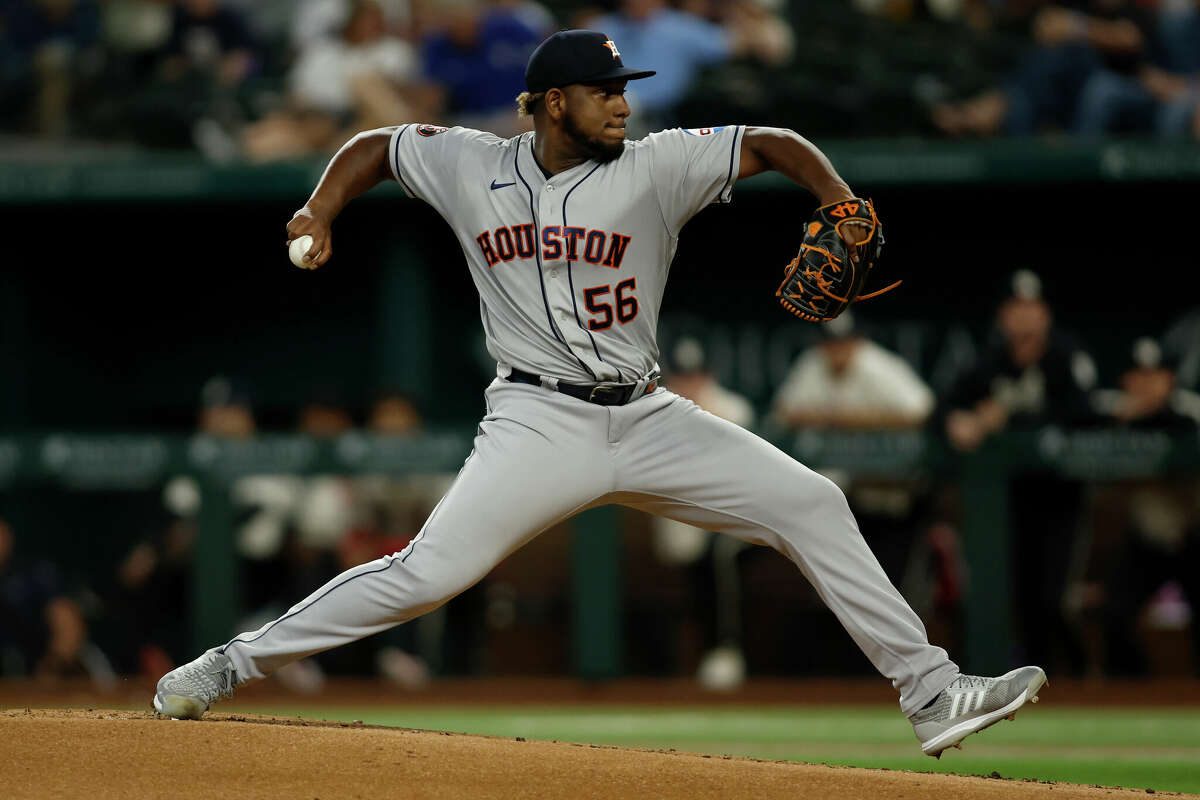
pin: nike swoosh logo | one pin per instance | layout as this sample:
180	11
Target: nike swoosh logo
500	185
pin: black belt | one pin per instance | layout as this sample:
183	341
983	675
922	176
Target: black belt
604	394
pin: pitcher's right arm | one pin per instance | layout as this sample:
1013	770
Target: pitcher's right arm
360	164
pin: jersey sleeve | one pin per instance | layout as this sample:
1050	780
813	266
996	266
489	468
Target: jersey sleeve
692	168
428	160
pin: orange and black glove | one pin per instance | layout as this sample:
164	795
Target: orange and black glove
829	273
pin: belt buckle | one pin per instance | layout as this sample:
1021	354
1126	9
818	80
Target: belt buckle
608	394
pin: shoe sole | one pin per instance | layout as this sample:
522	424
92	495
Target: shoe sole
953	736
179	707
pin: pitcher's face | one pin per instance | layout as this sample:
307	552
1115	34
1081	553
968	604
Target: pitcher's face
595	118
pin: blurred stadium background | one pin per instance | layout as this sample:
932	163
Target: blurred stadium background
193	433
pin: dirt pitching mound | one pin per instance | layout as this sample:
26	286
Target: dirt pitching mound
122	754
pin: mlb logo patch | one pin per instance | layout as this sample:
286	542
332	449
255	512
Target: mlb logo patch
430	130
703	131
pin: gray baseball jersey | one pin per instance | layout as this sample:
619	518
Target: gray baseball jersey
570	271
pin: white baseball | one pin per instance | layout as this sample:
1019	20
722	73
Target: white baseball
298	248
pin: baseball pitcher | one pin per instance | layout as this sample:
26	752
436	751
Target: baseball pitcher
569	232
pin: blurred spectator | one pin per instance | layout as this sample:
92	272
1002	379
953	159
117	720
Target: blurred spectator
137	25
398	505
153	587
394	414
313	20
1160	93
325	507
134	34
391	510
361	79
532	14
290	524
1155	582
289	540
1177	88
45	45
1073	43
1160	554
225	409
42	629
679	45
193	96
264	502
1148	396
1031	377
848	381
691	377
210	37
759	30
1178	28
477	54
325	415
978	13
152	583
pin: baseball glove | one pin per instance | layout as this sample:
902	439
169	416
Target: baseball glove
827	275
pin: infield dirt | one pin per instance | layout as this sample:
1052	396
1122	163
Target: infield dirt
131	754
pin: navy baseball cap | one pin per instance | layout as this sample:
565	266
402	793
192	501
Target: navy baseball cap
577	56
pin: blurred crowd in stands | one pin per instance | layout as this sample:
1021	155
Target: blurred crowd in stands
277	79
1104	568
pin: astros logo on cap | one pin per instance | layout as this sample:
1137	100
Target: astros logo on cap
609	44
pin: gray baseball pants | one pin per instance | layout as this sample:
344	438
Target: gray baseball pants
541	456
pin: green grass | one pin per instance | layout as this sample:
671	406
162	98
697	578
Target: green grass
1137	748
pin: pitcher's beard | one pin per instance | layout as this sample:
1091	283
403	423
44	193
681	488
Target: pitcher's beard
591	146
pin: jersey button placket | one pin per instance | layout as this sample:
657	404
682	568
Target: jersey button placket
550	216
559	293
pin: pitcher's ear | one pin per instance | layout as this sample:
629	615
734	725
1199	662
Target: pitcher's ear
556	103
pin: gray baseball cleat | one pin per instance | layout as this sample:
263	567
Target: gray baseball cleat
186	692
970	704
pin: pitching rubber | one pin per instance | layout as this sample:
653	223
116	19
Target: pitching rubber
953	736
